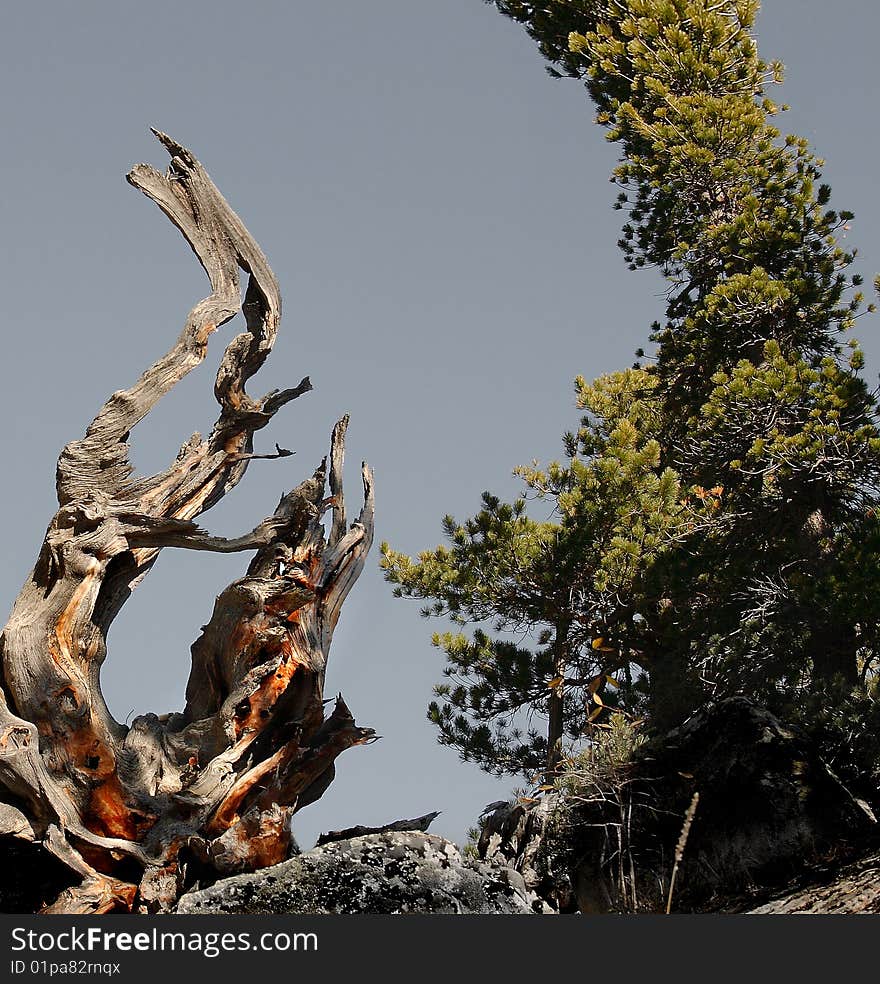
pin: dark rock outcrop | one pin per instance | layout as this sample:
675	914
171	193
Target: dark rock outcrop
381	873
516	834
769	807
770	811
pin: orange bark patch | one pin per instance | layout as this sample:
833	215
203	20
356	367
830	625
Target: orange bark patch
234	444
226	813
264	698
288	605
84	742
302	581
95	896
107	813
64	627
205	332
242	636
233	396
258	845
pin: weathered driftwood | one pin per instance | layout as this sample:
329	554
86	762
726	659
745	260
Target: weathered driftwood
420	824
212	789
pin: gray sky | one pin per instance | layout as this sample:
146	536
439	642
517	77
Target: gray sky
437	211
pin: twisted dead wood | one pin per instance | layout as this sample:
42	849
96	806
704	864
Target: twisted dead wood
137	812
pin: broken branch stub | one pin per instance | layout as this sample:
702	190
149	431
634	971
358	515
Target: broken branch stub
135	811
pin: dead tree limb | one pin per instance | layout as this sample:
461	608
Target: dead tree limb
134	811
417	823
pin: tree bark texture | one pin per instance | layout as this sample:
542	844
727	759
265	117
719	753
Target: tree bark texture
139	812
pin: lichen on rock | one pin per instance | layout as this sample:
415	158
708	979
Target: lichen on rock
393	872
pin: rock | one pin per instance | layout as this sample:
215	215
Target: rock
769	811
854	889
385	873
515	834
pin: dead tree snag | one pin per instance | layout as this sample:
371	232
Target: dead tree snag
135	811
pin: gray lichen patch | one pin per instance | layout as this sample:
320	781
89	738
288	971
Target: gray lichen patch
381	873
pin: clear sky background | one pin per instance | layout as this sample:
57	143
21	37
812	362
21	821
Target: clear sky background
438	213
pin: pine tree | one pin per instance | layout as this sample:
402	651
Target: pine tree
565	584
761	578
760	395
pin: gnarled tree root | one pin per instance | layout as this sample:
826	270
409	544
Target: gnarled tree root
136	811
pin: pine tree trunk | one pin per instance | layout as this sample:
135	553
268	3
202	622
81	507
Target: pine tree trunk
556	703
138	812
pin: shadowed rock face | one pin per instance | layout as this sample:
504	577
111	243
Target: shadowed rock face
769	811
769	808
517	834
383	873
